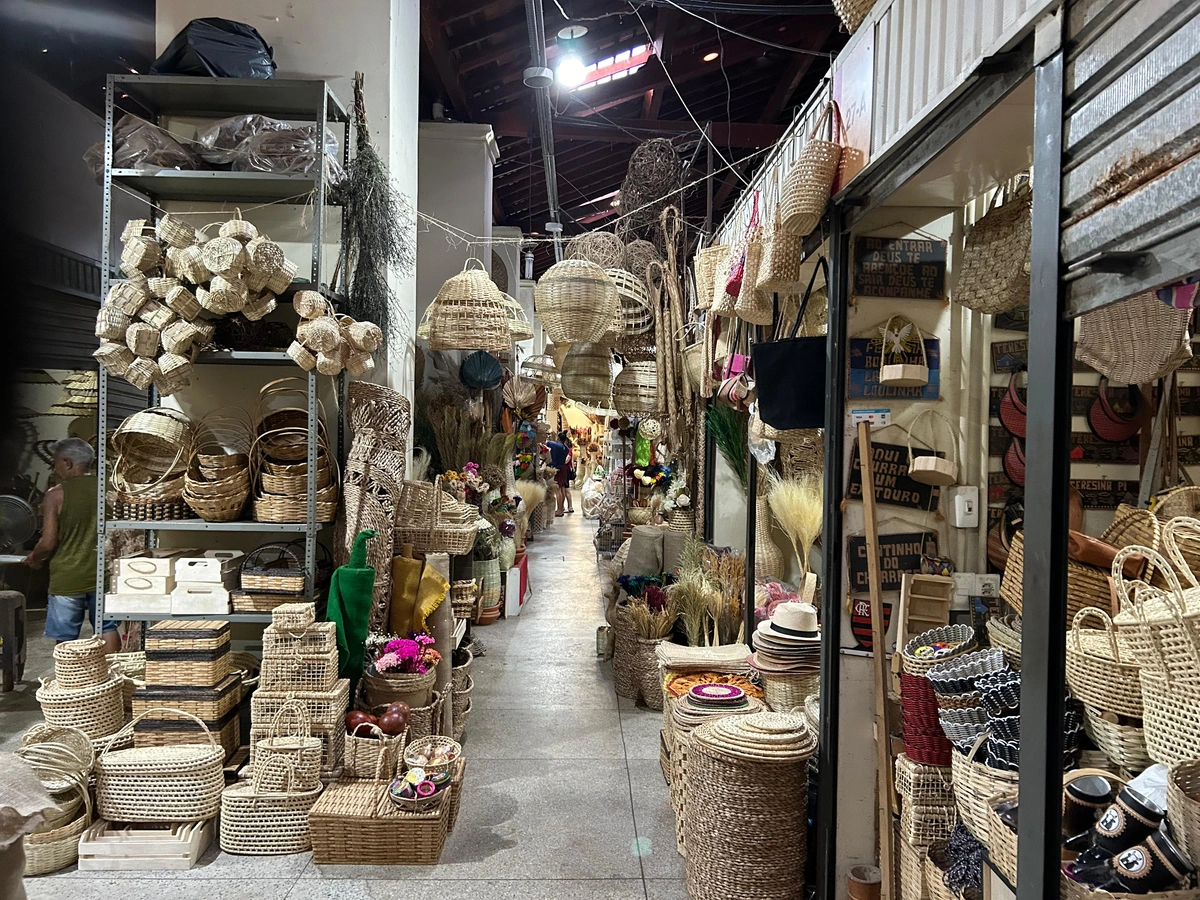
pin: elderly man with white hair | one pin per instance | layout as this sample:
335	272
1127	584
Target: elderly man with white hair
69	542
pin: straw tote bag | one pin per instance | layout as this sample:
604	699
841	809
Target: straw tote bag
994	275
779	272
790	373
809	183
1135	341
727	290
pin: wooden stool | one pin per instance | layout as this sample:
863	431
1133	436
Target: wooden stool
12	633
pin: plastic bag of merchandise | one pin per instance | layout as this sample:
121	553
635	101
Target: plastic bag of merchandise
291	151
138	144
221	142
217	47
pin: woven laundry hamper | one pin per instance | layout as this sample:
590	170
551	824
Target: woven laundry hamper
576	301
587	374
468	313
746	807
635	389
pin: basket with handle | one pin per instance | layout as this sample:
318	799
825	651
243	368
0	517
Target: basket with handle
290	737
433	521
974	785
276	567
894	370
155	784
468	313
1135	341
809	183
1099	671
54	844
779	272
268	815
370	753
80	663
710	264
1183	810
930	468
1162	626
1123	745
994	276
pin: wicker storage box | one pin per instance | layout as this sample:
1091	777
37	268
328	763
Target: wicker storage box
325	708
354	823
263	822
923	785
926	826
333	744
180	730
1171	726
208	703
155	784
187	652
319	638
300	672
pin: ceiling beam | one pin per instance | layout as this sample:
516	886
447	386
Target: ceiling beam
665	25
434	43
512	123
495	31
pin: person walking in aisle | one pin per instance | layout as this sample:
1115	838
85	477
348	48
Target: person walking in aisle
560	459
69	542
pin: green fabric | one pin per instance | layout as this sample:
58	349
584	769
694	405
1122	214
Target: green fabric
73	567
349	608
641	451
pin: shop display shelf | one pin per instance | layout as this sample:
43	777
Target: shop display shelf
185	95
211	187
262	618
201	525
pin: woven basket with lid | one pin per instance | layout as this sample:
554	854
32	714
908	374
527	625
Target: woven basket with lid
576	301
469	313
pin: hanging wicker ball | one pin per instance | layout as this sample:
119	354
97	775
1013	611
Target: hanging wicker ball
603	248
587	374
541	370
519	328
468	313
636	316
635	389
576	301
638	255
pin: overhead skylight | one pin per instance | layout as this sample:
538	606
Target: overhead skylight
619	65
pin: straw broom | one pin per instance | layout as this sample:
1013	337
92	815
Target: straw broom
797	506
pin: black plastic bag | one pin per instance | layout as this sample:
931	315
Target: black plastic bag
217	47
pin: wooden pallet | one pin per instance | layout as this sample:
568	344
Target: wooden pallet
106	846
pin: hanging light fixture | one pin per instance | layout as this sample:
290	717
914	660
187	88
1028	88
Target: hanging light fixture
570	72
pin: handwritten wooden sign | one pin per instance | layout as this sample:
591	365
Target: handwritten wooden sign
1084	395
899	554
900	267
892	484
1106	493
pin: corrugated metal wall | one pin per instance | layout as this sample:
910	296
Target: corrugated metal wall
1131	179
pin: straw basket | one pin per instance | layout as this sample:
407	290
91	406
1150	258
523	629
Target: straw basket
291	739
80	664
926	826
635	389
433	521
268	816
112	323
1086	585
175	232
154	439
912	872
415	689
268	268
711	263
636	317
996	253
923	785
1183	810
587	374
49	849
1123	745
152	784
1162	627
1100	671
576	301
1135	341
788	693
541	370
300	671
603	248
487	576
853	12
373	752
933	469
225	256
462	599
98	710
1171	728
468	313
974	785
1003	634
114	357
809	182
894	370
1181	544
239	228
355	823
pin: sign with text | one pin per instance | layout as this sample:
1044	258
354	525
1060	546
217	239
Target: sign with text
899	554
899	267
864	384
853	94
892	484
1106	493
1013	356
1084	395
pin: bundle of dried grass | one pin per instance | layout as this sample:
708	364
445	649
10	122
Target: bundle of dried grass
653	624
691	595
726	572
729	429
533	493
797	505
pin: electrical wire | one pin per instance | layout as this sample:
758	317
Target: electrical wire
747	37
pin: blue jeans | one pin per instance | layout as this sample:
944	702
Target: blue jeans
64	616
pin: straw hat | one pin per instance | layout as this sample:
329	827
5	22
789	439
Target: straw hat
794	622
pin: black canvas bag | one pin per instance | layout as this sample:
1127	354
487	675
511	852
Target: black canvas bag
790	373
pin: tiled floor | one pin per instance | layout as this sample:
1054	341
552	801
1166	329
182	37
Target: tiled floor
564	796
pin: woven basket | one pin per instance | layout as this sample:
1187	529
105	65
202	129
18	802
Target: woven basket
414	689
1171	727
290	739
1135	341
225	256
576	302
923	785
269	268
112	323
974	785
711	263
175	232
433	521
56	848
114	357
926	826
312	673
912	872
487	576
461	673
996	253
587	375
462	698
355	823
154	439
326	709
787	693
373	754
935	882
1183	810
779	271
80	663
603	248
469	314
151	784
636	317
1123	745
635	389
912	665
268	816
1099	671
1087	586
462	599
541	370
98	710
1162	628
853	12
1002	634
239	228
809	182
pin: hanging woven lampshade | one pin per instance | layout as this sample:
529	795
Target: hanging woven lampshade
603	248
636	316
541	370
519	328
587	374
576	301
635	389
468	313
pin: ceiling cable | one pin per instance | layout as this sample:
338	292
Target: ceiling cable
740	34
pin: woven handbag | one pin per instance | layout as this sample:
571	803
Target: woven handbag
268	816
809	183
1100	671
1135	341
994	273
708	263
754	305
779	272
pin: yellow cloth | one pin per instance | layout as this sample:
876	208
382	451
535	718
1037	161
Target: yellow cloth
417	590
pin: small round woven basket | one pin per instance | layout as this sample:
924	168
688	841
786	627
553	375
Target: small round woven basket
603	248
80	663
576	301
469	313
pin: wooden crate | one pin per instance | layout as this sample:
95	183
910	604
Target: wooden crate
176	846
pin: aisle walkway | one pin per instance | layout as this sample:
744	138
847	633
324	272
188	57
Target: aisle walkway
564	794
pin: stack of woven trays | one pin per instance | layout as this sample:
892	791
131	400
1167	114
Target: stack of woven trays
84	693
189	667
924	740
300	661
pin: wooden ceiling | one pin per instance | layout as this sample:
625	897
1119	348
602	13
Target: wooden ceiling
473	53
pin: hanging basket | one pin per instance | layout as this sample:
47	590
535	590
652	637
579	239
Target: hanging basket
587	374
635	317
541	370
468	313
711	263
932	469
603	248
894	369
1135	341
809	182
853	12
519	328
576	301
994	276
635	389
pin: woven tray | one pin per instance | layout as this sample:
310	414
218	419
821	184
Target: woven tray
354	823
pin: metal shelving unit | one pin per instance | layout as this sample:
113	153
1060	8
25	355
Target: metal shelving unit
154	97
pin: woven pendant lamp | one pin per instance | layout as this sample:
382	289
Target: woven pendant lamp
541	370
635	389
635	315
468	313
576	301
519	328
587	374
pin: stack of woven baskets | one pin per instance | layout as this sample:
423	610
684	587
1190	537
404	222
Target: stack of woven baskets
84	693
279	457
330	343
927	815
924	740
148	477
461	684
151	323
216	483
189	680
300	662
62	757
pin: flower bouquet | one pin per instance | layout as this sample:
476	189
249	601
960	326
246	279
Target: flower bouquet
400	669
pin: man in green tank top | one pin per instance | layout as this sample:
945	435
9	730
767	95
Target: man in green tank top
69	542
